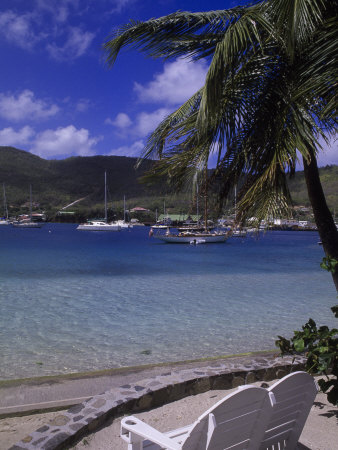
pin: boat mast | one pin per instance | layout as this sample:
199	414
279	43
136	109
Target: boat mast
105	197
124	208
197	210
5	203
30	202
235	203
206	200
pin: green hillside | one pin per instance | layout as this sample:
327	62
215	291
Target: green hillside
57	183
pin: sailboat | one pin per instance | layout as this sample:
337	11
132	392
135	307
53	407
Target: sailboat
100	225
123	223
194	237
4	220
28	223
165	223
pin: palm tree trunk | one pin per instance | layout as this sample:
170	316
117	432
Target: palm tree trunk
326	227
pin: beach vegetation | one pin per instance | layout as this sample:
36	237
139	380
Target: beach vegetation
320	346
268	103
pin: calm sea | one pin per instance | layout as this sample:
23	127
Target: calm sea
76	301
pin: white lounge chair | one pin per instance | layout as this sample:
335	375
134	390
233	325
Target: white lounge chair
294	395
250	418
237	422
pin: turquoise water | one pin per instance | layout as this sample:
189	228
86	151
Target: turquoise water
76	301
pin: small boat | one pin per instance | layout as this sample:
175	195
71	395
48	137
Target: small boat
192	238
123	225
28	223
100	225
160	226
239	233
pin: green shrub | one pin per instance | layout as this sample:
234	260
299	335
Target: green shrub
320	346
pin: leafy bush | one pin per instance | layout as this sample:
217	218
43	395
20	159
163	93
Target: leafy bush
321	349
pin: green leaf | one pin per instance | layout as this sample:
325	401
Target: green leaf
334	309
299	345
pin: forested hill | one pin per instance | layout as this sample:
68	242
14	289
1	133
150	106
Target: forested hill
56	183
60	181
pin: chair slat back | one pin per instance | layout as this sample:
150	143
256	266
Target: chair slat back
237	421
294	396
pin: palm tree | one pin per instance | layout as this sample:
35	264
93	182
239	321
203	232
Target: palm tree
268	99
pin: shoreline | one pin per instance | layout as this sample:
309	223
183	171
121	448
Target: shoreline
94	401
120	370
51	393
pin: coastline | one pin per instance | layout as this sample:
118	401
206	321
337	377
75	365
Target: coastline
130	391
56	392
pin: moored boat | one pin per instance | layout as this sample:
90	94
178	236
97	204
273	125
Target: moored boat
192	238
97	225
28	223
100	225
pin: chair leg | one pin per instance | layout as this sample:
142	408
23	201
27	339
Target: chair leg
135	446
136	442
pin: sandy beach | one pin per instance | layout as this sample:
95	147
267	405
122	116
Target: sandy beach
320	432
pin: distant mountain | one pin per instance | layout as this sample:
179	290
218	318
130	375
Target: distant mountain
56	183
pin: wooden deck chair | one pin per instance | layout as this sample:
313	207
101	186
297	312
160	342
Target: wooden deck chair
237	422
294	396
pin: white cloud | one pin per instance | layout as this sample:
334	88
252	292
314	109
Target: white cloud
12	138
121	121
60	143
118	5
18	29
134	150
75	46
58	9
83	105
144	123
25	107
64	142
178	81
47	22
147	122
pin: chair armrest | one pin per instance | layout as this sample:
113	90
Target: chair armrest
131	425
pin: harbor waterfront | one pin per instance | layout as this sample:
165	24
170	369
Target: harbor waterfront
80	301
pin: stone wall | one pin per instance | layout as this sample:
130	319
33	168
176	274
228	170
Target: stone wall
85	418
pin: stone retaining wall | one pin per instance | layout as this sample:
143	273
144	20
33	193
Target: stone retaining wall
82	419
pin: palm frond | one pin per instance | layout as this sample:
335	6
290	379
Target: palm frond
179	34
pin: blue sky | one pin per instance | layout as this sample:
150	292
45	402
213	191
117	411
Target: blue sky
59	99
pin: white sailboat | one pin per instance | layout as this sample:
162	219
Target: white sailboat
4	220
28	223
123	223
100	225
